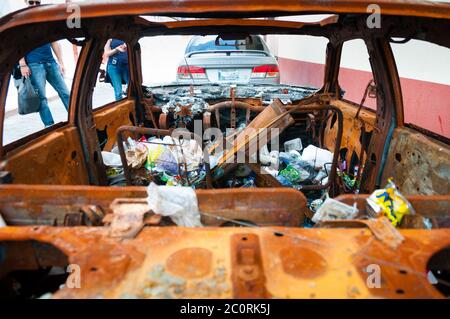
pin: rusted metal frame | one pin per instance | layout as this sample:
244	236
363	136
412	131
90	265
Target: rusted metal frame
388	83
232	105
24	205
4	84
248	275
353	29
238	104
135	84
10	54
221	8
156	132
253	23
120	142
217	115
396	88
340	122
361	153
380	227
331	72
236	29
86	78
426	132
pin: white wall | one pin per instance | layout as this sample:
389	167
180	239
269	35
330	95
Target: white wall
416	60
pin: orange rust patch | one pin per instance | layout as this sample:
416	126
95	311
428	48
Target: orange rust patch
302	262
190	262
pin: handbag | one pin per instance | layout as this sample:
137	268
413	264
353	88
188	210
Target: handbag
29	101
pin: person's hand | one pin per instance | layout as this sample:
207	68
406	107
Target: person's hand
122	48
25	71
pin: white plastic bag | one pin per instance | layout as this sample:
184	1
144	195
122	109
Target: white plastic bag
293	145
332	209
179	203
191	153
268	158
136	153
317	157
111	159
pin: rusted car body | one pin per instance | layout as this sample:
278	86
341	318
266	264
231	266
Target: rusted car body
59	210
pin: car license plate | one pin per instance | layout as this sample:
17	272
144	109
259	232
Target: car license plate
228	75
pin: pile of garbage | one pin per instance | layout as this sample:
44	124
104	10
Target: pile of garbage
296	167
168	161
163	95
388	202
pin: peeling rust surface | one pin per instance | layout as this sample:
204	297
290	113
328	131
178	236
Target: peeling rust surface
248	275
55	158
31	205
113	117
302	263
429	159
190	262
351	139
141	267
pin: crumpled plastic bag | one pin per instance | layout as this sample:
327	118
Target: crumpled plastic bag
136	153
389	202
111	159
317	157
268	158
293	145
294	173
191	153
179	203
166	155
332	209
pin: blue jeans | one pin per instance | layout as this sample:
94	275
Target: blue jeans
118	75
40	74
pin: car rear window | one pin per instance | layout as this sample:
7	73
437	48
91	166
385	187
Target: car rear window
208	43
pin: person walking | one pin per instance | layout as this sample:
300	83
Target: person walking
40	66
117	68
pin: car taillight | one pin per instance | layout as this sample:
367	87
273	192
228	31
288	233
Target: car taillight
184	72
265	71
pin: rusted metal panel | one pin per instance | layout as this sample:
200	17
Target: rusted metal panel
23	204
296	263
351	139
112	117
418	164
248	275
55	158
434	207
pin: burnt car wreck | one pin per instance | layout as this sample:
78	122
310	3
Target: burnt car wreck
296	219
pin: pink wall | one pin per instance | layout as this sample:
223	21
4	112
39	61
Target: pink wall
426	104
